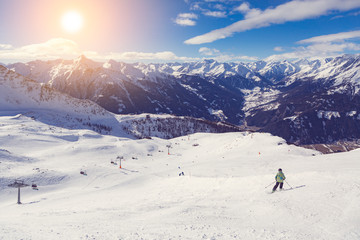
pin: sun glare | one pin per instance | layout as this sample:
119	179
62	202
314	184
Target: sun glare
72	21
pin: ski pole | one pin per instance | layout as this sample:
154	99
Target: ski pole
270	184
288	184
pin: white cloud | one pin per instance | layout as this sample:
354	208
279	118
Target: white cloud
54	48
278	49
186	19
138	56
322	46
185	22
188	15
295	10
234	58
338	37
355	13
219	14
5	46
208	51
219	7
337	17
243	8
67	49
248	12
221	57
196	6
223	1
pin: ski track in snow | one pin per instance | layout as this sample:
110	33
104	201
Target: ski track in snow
221	196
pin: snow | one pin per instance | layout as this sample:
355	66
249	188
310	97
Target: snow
351	113
221	196
189	88
193	90
342	69
292	118
260	98
328	114
218	113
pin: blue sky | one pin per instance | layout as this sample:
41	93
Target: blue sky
179	30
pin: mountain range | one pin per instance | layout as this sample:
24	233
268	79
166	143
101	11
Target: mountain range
23	97
306	102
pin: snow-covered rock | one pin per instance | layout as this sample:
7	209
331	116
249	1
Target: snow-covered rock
328	114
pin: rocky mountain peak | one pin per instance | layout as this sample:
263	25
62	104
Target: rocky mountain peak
84	62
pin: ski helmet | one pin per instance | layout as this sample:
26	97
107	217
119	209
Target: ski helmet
280	170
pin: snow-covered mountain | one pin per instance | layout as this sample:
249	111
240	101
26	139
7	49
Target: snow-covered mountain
126	88
26	96
41	102
318	104
63	71
284	98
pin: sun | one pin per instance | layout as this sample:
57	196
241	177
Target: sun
72	21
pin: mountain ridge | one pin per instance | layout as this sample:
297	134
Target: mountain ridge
22	96
270	96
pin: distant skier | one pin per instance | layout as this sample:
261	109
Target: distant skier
280	177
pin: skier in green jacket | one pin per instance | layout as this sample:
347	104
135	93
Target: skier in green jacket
280	177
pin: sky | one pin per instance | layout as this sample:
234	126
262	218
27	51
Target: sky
178	30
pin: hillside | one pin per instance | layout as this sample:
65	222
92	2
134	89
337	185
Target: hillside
41	102
222	194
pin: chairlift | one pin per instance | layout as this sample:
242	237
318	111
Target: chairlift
18	184
34	186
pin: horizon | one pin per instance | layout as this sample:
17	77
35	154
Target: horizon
161	31
179	62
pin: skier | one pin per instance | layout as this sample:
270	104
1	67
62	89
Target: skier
280	177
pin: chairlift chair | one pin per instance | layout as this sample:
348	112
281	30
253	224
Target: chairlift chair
34	186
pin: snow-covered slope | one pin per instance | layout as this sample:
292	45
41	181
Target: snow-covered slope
344	69
19	92
21	95
222	194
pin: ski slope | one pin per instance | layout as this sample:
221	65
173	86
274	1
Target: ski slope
222	194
